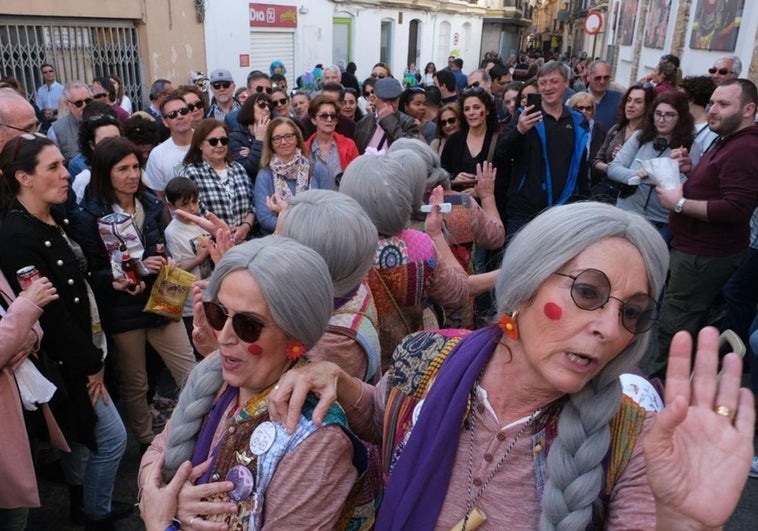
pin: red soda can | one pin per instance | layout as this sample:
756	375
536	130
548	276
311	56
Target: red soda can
27	275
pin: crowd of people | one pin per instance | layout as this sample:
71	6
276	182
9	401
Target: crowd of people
507	284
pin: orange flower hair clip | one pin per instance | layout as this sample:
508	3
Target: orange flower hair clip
296	350
508	325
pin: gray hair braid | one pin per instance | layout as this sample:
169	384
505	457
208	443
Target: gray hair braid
195	401
575	460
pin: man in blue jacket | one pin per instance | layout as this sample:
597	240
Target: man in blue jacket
547	148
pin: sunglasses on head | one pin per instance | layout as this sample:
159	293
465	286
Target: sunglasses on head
214	141
25	136
268	90
221	84
198	105
721	71
78	103
247	327
184	111
448	121
591	290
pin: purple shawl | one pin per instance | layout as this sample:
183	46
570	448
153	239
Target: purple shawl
418	483
205	438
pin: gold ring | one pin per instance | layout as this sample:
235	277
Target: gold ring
725	412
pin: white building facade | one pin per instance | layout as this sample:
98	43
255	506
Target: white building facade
244	36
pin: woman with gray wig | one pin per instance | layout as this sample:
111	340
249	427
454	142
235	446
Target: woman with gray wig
409	266
269	301
539	393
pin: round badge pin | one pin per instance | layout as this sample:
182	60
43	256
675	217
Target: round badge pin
243	482
262	438
417	411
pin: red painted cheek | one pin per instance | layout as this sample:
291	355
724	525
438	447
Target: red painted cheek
254	349
553	311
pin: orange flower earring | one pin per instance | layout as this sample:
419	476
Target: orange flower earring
296	350
507	324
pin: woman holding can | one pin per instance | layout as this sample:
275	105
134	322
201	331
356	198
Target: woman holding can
34	181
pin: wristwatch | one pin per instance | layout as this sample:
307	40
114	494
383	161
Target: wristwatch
679	207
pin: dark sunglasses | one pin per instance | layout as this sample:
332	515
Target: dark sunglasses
247	327
448	121
78	103
475	84
583	108
263	104
184	111
591	290
196	106
367	93
221	84
100	96
721	71
378	76
213	141
327	116
268	90
280	102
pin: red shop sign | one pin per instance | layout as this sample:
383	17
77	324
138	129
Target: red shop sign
273	16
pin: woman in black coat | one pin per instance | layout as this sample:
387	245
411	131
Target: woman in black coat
34	180
116	187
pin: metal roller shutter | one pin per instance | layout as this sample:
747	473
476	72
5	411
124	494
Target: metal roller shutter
269	46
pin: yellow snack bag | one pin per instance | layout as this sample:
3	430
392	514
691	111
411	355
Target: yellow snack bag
169	293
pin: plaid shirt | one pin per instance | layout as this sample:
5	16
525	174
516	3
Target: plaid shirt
230	200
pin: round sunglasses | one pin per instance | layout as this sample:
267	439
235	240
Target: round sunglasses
214	141
591	290
247	326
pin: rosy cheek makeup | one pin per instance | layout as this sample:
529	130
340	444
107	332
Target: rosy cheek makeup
553	311
254	349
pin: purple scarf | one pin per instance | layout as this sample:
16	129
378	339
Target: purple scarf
205	438
419	481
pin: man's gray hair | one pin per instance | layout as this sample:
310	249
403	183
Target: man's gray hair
71	85
575	462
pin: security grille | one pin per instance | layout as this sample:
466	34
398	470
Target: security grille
78	49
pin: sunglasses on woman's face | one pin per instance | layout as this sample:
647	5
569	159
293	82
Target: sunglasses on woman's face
591	290
247	327
213	141
262	104
281	101
448	121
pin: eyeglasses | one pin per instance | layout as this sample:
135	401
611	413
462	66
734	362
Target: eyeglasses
100	96
591	290
327	116
721	71
262	104
448	121
367	93
198	105
213	141
221	85
184	111
247	327
583	108
282	101
268	90
475	84
282	138
29	129
601	78
78	103
665	116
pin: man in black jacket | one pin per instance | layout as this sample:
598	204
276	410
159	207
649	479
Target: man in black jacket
379	129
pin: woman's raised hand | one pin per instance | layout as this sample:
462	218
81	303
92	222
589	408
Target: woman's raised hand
699	450
434	219
202	334
485	179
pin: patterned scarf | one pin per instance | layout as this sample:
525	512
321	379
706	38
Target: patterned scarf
298	169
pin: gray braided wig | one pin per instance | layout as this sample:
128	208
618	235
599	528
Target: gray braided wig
435	173
295	282
575	472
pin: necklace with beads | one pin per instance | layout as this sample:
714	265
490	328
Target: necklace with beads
472	501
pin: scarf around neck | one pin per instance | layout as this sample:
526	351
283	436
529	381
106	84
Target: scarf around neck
419	481
298	170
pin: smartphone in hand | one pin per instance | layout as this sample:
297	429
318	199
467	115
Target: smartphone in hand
536	101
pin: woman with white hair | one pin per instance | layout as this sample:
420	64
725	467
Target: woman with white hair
269	301
409	266
531	411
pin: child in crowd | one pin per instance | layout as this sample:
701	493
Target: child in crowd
186	242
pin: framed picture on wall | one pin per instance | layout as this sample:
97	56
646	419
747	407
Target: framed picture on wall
716	24
657	23
628	16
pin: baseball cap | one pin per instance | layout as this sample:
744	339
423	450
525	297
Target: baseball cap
221	74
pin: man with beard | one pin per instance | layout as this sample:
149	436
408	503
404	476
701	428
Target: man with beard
710	219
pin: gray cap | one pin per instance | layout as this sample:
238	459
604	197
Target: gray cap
388	89
221	74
